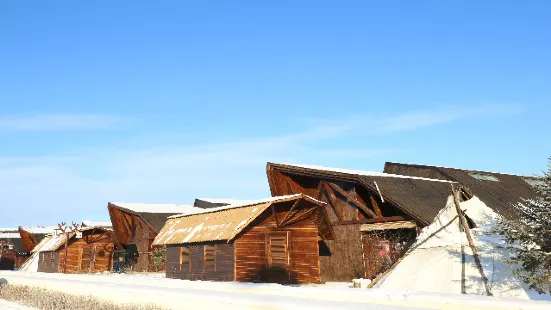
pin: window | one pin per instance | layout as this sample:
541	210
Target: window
484	177
210	258
278	250
185	258
43	259
534	182
51	259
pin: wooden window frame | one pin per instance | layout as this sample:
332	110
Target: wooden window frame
205	257
52	259
181	257
284	234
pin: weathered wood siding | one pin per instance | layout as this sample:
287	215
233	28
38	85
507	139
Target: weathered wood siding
48	262
83	256
131	230
223	269
252	260
340	259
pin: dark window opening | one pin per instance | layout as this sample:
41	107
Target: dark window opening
209	258
323	249
278	255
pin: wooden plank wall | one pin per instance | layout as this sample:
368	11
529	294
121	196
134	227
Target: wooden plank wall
77	250
250	250
224	263
340	259
344	260
46	264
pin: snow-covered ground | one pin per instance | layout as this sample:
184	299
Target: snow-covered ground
9	305
178	294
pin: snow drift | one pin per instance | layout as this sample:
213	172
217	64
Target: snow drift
443	261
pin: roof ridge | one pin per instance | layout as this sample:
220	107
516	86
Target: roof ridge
247	204
461	169
362	172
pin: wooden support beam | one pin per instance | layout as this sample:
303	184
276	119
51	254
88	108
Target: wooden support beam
319	193
303	215
274	215
375	206
290	213
332	200
352	200
456	194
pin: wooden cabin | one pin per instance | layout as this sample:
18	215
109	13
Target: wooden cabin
135	226
358	198
12	250
497	190
8	253
87	252
272	240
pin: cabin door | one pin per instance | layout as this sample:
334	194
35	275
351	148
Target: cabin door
277	250
88	260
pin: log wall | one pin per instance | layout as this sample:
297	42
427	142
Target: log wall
82	257
252	257
195	270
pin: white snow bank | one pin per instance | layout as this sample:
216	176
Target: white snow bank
178	294
436	265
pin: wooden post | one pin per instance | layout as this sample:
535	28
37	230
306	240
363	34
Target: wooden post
465	225
63	229
65	251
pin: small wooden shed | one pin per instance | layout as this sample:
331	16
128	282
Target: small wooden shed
135	226
271	240
87	252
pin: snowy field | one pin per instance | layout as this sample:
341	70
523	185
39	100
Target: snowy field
178	294
8	305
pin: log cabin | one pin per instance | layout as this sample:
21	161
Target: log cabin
89	251
135	226
499	191
271	240
375	216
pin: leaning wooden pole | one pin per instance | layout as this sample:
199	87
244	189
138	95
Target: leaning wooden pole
463	222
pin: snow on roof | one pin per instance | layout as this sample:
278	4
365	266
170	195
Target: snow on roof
225	201
222	223
10	236
8	229
40	229
244	203
364	173
154	208
96	224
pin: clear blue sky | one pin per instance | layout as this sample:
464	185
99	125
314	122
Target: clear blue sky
164	102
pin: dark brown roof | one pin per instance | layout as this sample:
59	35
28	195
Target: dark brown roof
499	195
421	198
156	220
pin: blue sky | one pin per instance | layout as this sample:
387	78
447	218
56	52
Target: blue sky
164	102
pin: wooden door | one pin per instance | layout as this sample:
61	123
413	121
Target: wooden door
277	254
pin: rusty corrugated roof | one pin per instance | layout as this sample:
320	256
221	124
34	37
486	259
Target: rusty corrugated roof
218	223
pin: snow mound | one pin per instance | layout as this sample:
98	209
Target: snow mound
443	261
